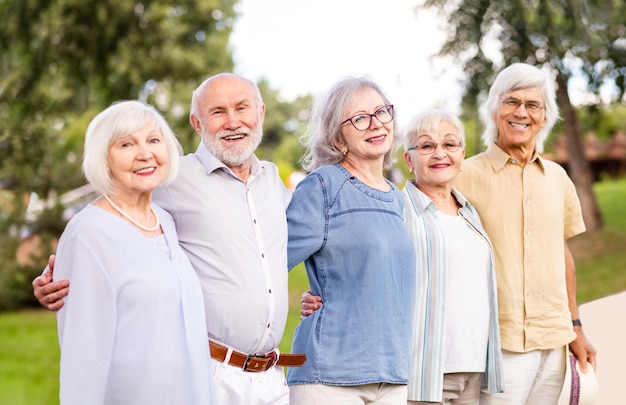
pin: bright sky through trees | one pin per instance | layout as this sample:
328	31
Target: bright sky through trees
305	46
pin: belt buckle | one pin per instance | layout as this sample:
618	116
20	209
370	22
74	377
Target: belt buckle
253	364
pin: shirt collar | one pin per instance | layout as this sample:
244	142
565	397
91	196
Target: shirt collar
499	158
459	197
424	203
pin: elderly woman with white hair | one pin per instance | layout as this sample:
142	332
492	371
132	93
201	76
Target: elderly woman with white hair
132	329
455	345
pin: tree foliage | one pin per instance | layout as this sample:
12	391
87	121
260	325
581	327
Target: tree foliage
573	38
63	61
284	122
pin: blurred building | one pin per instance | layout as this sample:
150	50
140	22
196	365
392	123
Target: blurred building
607	158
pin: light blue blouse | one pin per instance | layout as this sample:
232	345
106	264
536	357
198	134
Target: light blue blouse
361	261
132	329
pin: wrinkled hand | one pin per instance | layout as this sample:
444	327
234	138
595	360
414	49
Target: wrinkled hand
50	294
309	303
583	350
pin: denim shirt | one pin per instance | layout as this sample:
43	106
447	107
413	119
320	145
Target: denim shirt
360	260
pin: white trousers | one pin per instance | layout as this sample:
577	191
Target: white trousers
233	386
371	394
530	378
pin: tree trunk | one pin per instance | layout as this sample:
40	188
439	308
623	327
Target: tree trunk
577	163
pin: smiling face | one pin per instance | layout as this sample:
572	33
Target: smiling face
374	142
440	167
230	119
138	162
517	126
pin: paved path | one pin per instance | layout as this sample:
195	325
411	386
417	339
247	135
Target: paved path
604	323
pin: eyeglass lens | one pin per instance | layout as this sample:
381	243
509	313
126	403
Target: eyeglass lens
427	148
363	121
513	103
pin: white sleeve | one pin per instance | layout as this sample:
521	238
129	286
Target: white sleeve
86	323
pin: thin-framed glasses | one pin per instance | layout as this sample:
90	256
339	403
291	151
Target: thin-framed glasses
363	121
429	147
531	106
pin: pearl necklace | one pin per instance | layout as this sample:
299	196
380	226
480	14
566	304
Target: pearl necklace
133	221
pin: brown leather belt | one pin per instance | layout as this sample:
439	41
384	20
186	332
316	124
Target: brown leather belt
255	363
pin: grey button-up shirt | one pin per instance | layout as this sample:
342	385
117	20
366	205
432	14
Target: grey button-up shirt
235	236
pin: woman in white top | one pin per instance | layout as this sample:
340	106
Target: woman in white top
132	330
455	346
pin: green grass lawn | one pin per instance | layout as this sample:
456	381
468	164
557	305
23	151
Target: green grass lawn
29	358
601	258
29	354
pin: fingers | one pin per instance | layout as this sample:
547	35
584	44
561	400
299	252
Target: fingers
54	300
309	298
305	296
41	280
51	261
40	288
583	350
590	355
578	348
582	362
50	294
308	307
592	360
56	305
309	303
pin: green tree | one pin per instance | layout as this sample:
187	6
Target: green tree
574	38
604	122
63	61
285	121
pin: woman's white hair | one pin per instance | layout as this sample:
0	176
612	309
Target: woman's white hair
120	119
428	121
520	76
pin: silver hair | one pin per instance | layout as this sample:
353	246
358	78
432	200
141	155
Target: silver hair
120	119
520	76
429	121
324	127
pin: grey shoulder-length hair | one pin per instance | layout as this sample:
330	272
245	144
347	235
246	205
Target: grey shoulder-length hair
520	76
324	127
120	119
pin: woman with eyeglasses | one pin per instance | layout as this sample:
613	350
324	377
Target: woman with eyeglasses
455	342
455	346
346	223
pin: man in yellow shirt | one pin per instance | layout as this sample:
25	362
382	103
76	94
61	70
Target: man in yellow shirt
529	209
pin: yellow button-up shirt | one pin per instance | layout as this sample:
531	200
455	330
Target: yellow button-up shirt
528	213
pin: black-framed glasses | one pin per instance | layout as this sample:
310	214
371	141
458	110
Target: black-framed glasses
429	147
531	106
363	121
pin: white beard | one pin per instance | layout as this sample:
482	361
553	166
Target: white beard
236	155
